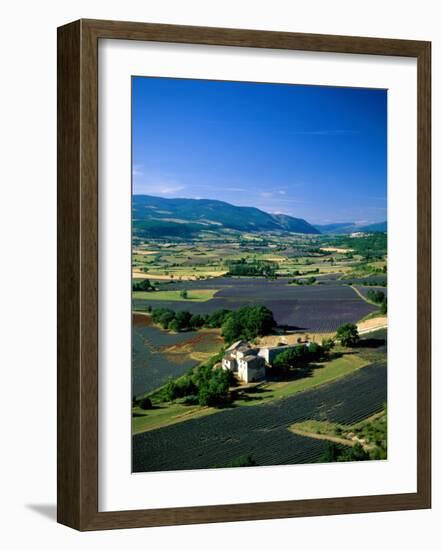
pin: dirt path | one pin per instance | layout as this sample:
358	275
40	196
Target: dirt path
327	437
359	293
324	437
372	325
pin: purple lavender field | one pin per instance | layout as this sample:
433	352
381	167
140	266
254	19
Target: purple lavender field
317	308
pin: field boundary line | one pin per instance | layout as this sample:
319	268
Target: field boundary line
373	329
323	437
359	293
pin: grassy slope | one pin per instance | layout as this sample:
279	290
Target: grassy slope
322	373
340	433
202	295
167	414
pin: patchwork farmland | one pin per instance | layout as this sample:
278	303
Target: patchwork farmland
311	290
316	308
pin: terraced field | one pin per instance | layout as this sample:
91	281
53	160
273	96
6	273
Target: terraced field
262	430
316	308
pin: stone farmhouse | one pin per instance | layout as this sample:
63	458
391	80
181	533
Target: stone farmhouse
249	363
244	361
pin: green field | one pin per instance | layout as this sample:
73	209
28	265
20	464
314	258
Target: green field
208	257
201	295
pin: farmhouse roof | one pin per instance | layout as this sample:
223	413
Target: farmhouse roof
237	345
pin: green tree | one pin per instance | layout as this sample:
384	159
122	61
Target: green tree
196	321
348	334
214	390
284	361
183	319
170	391
166	318
331	452
232	328
144	285
174	325
314	351
376	296
241	462
159	312
247	323
145	403
327	345
290	358
183	293
354	453
217	318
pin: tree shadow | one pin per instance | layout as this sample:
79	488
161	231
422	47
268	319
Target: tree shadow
304	370
371	343
282	329
137	414
254	393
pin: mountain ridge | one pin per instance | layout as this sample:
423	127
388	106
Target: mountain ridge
174	217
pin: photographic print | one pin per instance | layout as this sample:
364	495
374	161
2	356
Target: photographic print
259	274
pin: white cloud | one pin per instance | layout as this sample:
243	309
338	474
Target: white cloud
137	170
159	188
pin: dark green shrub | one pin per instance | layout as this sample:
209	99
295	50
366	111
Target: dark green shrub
145	403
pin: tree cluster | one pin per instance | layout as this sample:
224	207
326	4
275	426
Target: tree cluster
301	355
372	283
205	385
243	461
247	323
184	320
254	268
338	453
378	297
348	335
145	286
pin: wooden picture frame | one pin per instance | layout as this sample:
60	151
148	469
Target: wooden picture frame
78	274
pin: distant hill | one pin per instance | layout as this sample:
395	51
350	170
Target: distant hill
378	227
336	228
345	228
157	217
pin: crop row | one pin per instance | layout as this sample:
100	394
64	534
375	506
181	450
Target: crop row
261	430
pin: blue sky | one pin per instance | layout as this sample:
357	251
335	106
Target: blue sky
314	152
